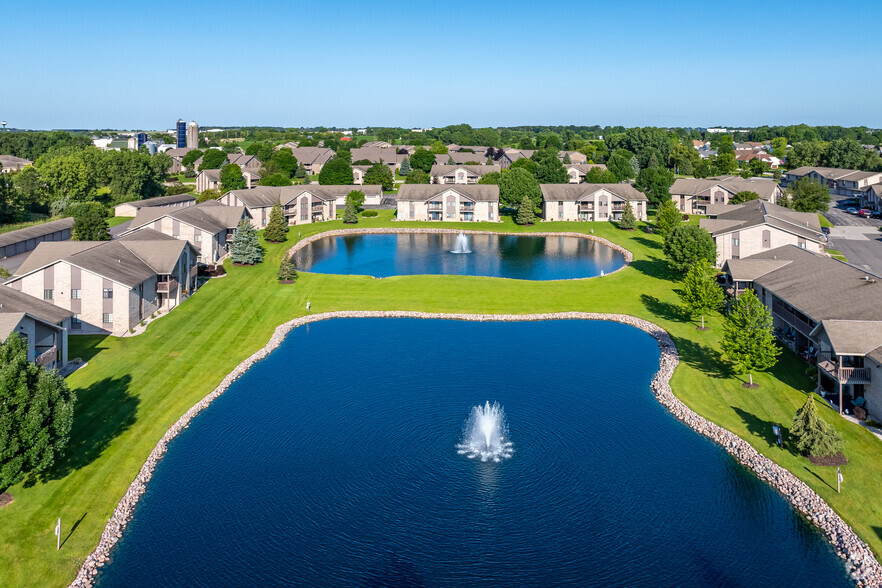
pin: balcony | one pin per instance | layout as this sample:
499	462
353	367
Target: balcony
843	374
586	207
47	357
467	207
435	207
788	315
167	287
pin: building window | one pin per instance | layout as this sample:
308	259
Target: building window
108	293
107	318
48	294
736	241
800	243
76	294
76	321
304	217
198	237
736	257
490	214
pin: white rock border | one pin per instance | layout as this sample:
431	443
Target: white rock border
629	257
860	562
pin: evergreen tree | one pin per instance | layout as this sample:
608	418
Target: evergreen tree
245	249
701	293
687	245
667	218
350	215
450	160
301	172
743	196
287	271
629	221
277	228
525	212
813	436
405	166
36	417
748	339
567	159
90	222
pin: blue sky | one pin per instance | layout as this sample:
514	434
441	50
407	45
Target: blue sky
288	63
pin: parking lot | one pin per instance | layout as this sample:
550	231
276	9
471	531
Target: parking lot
857	238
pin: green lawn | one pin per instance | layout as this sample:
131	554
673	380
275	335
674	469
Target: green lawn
134	388
825	222
836	254
24	225
118	220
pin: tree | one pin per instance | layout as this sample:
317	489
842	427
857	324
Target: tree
301	172
667	218
525	212
748	340
37	414
405	166
90	222
422	159
629	221
701	293
813	436
779	147
245	249
285	161
620	167
598	175
550	170
702	169
806	195
213	159
492	178
756	167
417	176
67	181
438	148
12	206
567	159
655	183
337	172
527	164
845	153
380	174
231	177
350	214
276	179
287	273
30	187
686	245
724	163
516	184
206	195
190	158
277	228
357	197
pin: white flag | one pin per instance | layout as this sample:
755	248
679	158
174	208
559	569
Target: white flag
58	528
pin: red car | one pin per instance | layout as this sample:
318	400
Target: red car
865	212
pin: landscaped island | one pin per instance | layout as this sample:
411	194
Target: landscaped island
134	389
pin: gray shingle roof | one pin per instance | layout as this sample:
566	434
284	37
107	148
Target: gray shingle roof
15	302
852	337
209	216
760	212
312	155
162	200
479	170
377	154
49	252
832	173
423	192
576	192
263	196
40	230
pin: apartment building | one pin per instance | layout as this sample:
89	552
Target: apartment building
448	203
591	202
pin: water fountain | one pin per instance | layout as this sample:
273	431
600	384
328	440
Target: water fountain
485	434
462	244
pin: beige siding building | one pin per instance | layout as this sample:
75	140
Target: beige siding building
440	202
208	226
42	324
578	171
175	201
303	204
209	179
9	163
390	157
756	226
312	158
844	182
693	196
591	202
460	174
110	286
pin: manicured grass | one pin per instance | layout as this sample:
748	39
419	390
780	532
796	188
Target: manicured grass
836	254
24	225
118	220
134	388
825	222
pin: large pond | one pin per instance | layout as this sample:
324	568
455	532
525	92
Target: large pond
334	462
501	256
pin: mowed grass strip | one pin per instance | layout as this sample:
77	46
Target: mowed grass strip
135	388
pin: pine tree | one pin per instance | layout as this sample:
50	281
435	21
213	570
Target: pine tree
525	212
748	339
350	215
667	218
287	271
405	166
277	228
245	249
567	159
813	436
629	221
701	293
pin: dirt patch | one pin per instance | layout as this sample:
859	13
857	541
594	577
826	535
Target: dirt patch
829	460
749	385
701	328
6	499
286	281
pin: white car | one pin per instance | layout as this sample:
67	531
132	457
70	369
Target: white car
851	210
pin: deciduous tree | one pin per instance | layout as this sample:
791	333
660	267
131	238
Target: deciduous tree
190	157
276	179
804	195
213	159
231	177
417	176
422	159
743	196
686	245
655	183
515	185
700	292
337	172
379	174
748	340
90	222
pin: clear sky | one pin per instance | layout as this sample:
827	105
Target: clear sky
143	65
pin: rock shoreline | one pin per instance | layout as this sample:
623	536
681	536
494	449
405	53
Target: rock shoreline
859	560
629	257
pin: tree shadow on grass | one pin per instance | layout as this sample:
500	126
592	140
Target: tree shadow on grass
761	428
85	346
829	485
705	359
665	310
655	267
651	243
103	411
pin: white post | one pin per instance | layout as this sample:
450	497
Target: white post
58	534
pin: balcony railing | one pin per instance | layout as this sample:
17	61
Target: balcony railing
788	315
167	286
846	375
436	207
47	357
586	207
467	207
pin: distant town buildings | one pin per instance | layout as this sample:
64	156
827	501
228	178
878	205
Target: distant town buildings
192	135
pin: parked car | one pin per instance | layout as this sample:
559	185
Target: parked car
825	230
876	214
865	212
851	210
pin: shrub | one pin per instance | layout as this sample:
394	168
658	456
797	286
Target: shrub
370	213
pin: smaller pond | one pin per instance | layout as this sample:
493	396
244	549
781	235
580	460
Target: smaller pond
519	257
